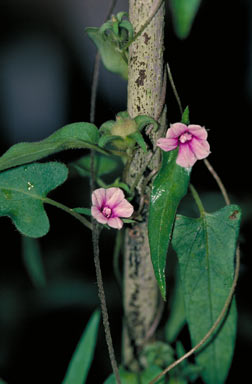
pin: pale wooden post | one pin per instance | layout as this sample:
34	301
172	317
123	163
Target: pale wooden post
141	295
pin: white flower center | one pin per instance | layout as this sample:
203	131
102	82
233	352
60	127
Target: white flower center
186	136
106	212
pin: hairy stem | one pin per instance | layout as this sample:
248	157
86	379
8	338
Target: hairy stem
218	180
101	294
174	88
95	231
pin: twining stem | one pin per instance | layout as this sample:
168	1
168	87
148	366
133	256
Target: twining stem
95	231
174	88
101	294
218	180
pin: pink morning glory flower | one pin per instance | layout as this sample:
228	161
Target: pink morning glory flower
109	205
192	142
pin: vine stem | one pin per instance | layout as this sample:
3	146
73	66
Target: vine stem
218	180
95	231
174	88
101	294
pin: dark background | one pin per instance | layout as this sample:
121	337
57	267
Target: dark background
45	80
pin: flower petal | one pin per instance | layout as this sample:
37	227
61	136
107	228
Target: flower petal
176	130
98	197
98	215
123	209
198	131
167	144
200	148
113	197
186	157
115	222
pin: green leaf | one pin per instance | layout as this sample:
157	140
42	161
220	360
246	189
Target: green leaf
143	120
23	191
122	14
115	28
133	378
129	28
157	353
185	117
2	381
119	184
103	165
79	365
124	115
112	58
106	26
105	128
205	247
169	187
106	139
176	319
33	261
76	135
125	376
184	12
150	373
139	139
128	221
83	211
177	380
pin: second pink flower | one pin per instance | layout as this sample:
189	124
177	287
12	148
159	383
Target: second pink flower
191	140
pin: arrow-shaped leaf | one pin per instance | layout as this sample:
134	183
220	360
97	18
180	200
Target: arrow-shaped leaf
184	12
83	355
23	191
169	187
205	249
76	135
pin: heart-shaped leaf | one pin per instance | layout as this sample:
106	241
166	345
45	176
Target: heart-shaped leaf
169	187
76	135
23	191
205	248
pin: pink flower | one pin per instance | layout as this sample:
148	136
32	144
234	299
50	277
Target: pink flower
109	205
192	142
